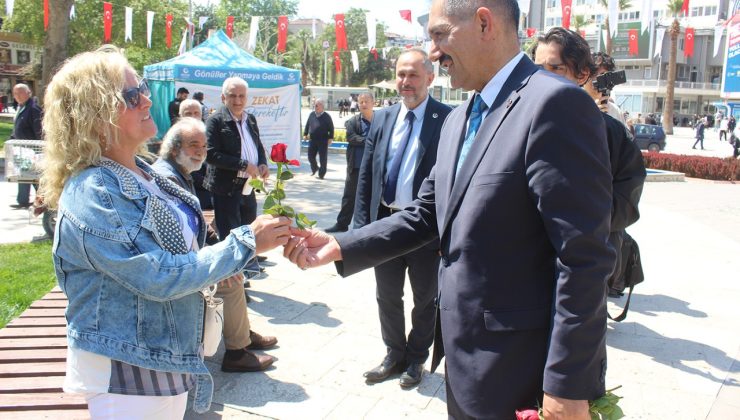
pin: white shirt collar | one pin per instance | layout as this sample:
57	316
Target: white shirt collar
418	111
493	87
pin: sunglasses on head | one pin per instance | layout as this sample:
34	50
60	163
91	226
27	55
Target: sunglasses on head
132	96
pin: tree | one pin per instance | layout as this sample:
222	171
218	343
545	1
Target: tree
580	21
674	8
623	4
85	32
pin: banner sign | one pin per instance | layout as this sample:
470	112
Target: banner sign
210	75
731	78
621	42
277	110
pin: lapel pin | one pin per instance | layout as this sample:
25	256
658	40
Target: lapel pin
435	115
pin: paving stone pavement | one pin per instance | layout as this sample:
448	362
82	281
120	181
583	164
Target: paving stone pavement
675	356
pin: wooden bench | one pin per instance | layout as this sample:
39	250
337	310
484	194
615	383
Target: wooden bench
33	351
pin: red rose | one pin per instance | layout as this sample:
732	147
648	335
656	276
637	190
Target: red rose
527	414
278	153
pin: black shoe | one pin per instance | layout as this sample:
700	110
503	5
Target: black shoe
313	172
243	360
246	295
335	228
261	258
20	206
412	376
381	372
247	284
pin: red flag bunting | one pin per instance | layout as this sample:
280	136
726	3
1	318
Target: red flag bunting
566	7
374	52
230	26
46	15
107	20
341	35
531	32
337	62
168	30
685	7
405	15
282	33
688	43
634	47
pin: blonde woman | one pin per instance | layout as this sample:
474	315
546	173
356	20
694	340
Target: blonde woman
127	247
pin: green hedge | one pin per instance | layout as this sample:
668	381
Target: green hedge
719	169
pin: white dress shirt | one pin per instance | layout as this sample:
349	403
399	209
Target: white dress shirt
405	186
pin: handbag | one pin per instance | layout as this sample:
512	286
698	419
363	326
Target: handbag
213	324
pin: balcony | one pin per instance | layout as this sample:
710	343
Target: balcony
696	88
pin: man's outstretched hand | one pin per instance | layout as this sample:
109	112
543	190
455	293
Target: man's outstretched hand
270	232
311	248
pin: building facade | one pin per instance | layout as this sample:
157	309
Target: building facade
698	77
15	57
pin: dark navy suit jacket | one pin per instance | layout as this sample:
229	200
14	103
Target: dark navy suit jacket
523	231
27	124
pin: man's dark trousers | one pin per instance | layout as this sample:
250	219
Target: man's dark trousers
322	147
390	276
348	198
233	211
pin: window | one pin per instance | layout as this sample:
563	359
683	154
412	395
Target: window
710	10
23	57
648	73
695	11
552	3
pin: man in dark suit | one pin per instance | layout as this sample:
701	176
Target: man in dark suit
357	128
319	131
401	151
520	199
26	126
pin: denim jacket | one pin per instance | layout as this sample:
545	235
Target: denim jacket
132	285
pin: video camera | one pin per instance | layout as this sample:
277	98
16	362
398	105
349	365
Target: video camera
605	82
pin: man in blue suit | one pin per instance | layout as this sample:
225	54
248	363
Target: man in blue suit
520	199
26	126
400	152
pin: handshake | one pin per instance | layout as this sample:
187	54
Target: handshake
306	248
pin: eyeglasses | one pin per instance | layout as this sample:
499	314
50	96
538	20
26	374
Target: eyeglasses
132	96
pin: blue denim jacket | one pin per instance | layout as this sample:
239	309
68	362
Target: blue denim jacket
133	287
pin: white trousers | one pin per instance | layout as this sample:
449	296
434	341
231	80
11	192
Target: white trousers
136	407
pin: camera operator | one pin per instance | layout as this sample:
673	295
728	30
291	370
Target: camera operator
604	63
566	53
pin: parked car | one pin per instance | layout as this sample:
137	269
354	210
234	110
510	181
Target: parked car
649	137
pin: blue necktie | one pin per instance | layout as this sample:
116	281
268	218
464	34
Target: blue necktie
389	193
476	116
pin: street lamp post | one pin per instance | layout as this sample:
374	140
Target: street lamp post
326	48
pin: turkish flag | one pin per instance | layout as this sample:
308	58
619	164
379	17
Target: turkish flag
230	26
46	15
282	33
405	15
685	7
688	43
107	20
337	62
374	52
168	30
341	35
566	6
531	32
634	48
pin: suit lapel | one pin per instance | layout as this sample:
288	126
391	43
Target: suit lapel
385	140
502	106
430	124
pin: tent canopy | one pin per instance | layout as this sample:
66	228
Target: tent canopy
210	63
218	58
